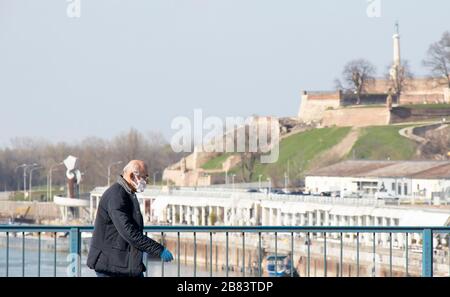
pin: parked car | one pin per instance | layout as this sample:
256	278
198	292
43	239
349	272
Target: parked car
385	195
253	190
297	193
336	194
351	195
277	191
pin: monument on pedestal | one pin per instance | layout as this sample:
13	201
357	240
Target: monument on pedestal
71	203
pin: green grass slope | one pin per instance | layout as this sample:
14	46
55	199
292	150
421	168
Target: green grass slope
216	162
301	148
383	142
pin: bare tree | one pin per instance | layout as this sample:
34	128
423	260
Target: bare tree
95	154
251	155
129	145
438	144
438	58
357	76
249	158
401	80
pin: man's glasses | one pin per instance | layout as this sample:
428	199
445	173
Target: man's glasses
146	178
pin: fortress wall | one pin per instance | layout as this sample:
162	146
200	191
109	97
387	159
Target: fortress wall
416	85
192	178
181	178
411	98
313	109
324	95
404	114
357	117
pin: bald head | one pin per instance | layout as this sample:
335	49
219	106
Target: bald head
135	168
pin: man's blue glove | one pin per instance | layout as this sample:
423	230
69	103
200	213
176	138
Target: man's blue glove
166	256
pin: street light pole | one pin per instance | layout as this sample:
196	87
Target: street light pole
285	181
232	178
50	180
31	177
25	178
154	178
109	170
270	185
15	170
259	181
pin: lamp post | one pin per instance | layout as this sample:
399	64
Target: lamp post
109	170
285	181
232	179
50	180
15	170
270	185
154	177
25	167
31	178
259	181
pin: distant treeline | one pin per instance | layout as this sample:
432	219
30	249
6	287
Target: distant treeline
94	154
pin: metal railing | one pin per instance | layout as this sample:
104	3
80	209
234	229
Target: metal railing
325	245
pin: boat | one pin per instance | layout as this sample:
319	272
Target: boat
279	266
275	265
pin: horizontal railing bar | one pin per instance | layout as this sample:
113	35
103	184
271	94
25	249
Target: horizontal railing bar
377	229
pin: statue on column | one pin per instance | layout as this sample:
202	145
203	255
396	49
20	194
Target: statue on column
389	99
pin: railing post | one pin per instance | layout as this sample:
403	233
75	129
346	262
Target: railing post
427	253
75	251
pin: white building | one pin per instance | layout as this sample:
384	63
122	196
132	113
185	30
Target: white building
222	207
404	179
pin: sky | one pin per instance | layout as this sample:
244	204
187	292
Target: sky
141	63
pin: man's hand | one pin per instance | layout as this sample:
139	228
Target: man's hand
166	256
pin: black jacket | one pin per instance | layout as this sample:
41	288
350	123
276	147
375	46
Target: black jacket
118	240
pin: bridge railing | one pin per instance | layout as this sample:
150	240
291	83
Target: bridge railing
242	251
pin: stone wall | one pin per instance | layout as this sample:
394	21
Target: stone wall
366	99
405	114
420	85
313	106
410	98
38	210
356	117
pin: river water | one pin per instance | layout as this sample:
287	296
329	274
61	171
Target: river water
63	266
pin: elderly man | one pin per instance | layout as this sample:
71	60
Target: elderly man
118	241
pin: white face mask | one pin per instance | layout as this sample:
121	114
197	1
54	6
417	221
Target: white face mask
139	184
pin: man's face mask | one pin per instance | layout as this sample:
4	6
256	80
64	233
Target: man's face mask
139	183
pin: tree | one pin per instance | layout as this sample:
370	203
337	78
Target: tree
94	154
357	75
254	145
438	58
400	79
438	144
